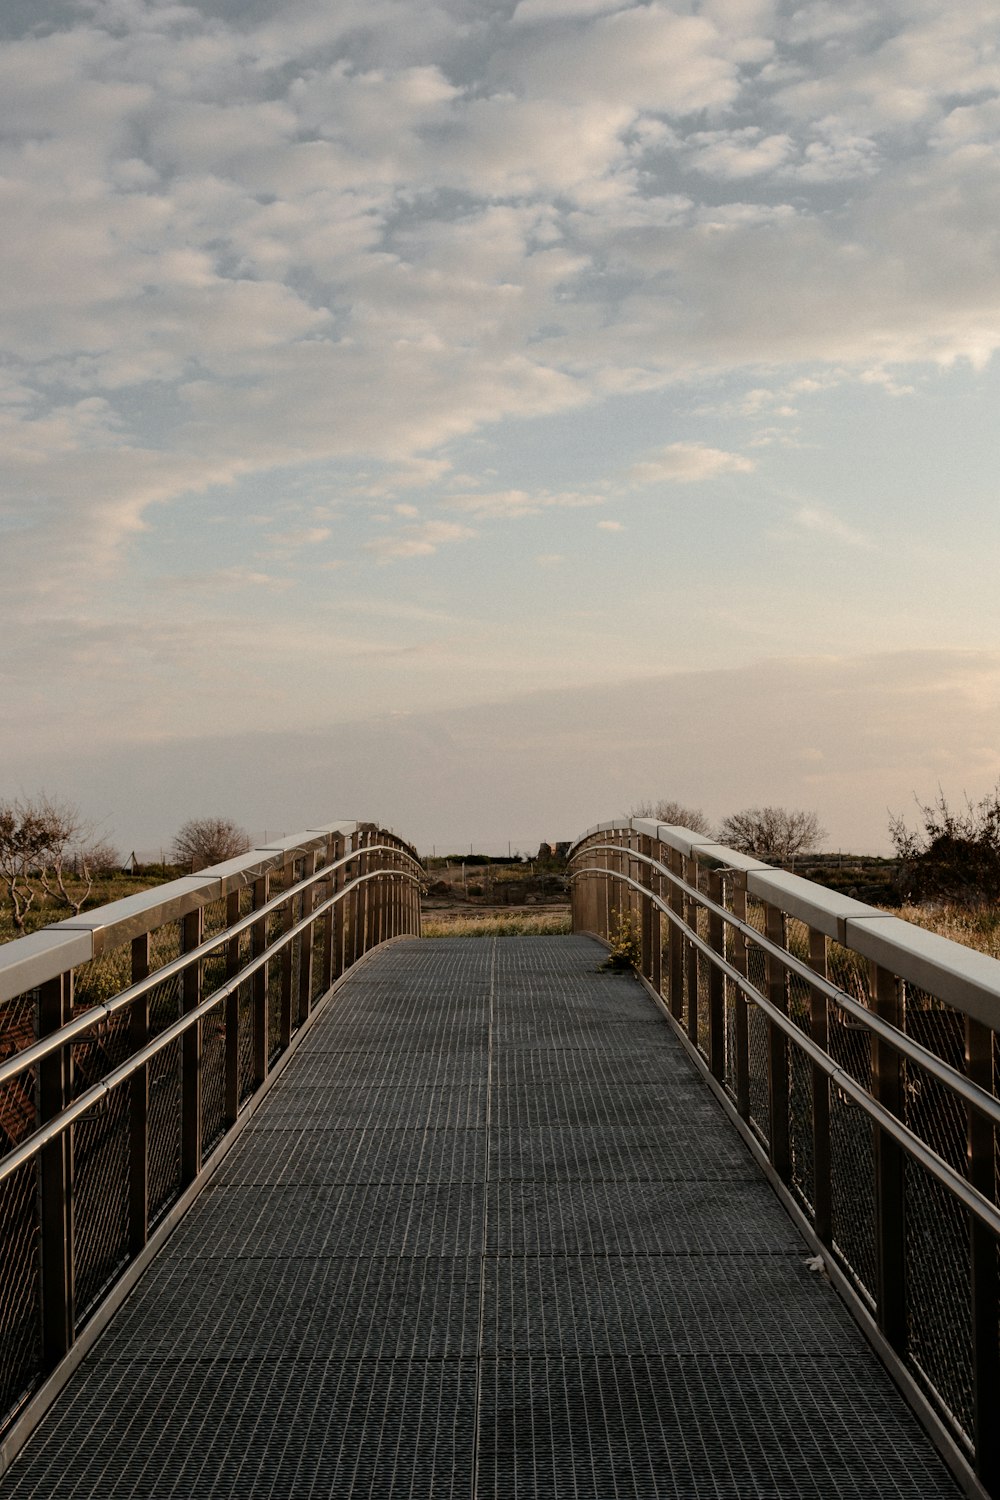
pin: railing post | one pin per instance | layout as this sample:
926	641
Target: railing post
259	982
890	1244
138	1150
984	1260
339	878
285	958
231	1102
691	965
191	935
656	917
646	909
716	984
333	845
675	948
819	1028
777	1049
307	941
741	1029
55	1083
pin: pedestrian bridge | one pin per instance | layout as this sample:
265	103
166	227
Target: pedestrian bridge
297	1204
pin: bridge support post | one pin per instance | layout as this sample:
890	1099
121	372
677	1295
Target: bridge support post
259	982
691	952
675	942
337	915
192	928
285	959
646	910
55	1081
819	1028
890	1189
231	1098
716	984
138	1107
307	943
741	1020
985	1291
777	1049
656	921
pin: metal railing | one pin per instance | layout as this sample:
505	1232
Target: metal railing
135	1039
859	1054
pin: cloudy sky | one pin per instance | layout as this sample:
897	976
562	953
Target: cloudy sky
507	386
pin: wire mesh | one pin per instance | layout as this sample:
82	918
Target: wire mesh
17	1098
213	1077
852	1156
760	1114
932	1109
939	1291
20	1291
246	1039
101	1193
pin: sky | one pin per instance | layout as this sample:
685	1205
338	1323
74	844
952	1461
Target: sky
485	416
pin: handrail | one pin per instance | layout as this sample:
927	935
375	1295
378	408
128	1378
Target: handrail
986	1103
973	1200
83	1022
33	1143
886	1148
88	1192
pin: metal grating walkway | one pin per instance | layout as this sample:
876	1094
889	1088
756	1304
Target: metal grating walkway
489	1236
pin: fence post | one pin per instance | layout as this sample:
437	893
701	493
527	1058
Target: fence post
191	934
259	981
285	957
646	909
55	1081
819	1027
716	984
138	1106
675	941
329	923
307	941
985	1291
691	964
890	1244
231	1105
739	959
777	1049
656	881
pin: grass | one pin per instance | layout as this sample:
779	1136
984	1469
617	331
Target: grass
542	924
975	926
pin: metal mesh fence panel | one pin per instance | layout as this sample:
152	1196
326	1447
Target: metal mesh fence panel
245	1047
933	1110
164	1131
20	1299
800	1125
100	1198
760	1117
939	1296
853	1188
213	1077
17	1098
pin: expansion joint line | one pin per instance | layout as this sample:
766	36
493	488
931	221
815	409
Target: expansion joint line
485	1220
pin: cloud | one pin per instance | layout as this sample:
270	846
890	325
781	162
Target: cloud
813	518
516	503
688	463
610	526
420	540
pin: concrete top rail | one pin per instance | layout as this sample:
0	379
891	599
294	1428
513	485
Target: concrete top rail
30	961
963	978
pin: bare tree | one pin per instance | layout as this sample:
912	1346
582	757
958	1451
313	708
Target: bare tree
778	833
668	811
41	840
206	841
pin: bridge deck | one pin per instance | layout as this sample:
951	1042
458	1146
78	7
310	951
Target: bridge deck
489	1236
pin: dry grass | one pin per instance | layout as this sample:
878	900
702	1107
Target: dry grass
975	926
535	924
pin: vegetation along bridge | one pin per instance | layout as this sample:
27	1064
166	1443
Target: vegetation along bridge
296	1204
